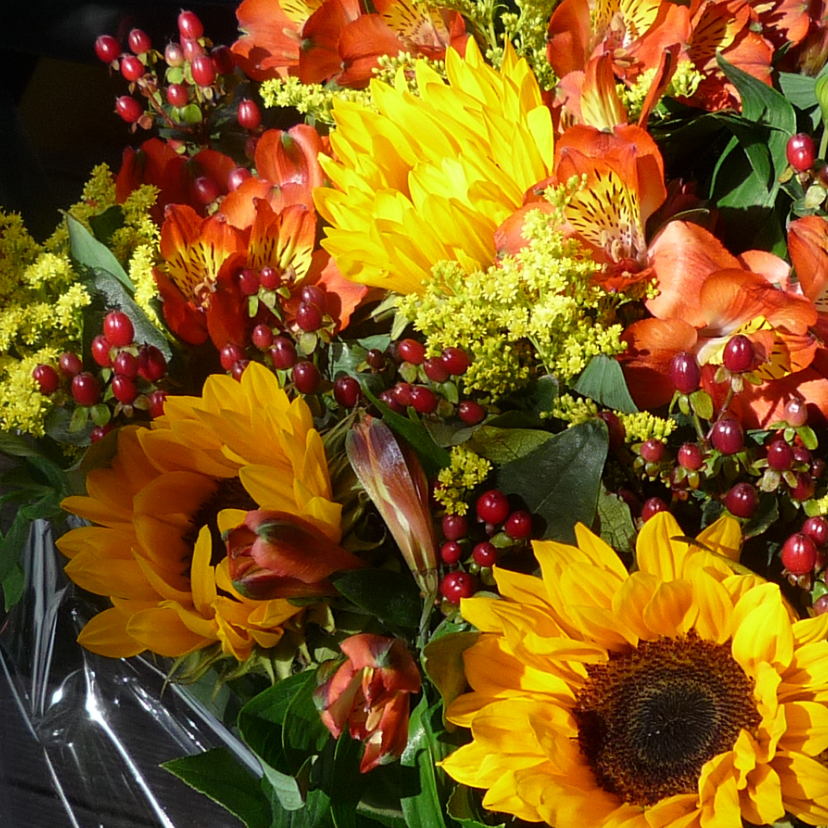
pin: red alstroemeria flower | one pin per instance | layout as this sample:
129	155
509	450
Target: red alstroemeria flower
156	162
197	288
369	694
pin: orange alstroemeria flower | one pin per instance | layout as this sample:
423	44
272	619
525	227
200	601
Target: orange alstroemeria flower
706	299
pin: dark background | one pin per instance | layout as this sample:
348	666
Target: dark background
57	122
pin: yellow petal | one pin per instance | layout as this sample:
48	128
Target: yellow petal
761	800
763	635
658	549
599	552
671	611
723	537
162	631
807	728
202	577
106	634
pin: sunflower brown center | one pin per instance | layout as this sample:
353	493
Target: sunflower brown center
229	494
650	719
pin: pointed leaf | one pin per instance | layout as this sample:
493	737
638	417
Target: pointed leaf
392	597
603	381
93	255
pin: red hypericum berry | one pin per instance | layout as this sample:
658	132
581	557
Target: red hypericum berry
139	41
728	436
821	605
410	350
492	506
484	554
85	389
262	337
205	189
375	359
174	54
347	392
518	525
238	369
402	393
817	468
435	370
457	585
99	432
738	355
801	454
309	318
801	151
189	25
151	363
471	412
126	364
223	58
451	552
132	68
46	378
685	373
799	554
652	450
804	489
690	456
455	527
780	455
203	70
616	429
191	48
389	398
455	360
156	402
313	295
248	281
269	277
249	115
118	330
250	146
107	48
229	355
742	500
652	506
123	389
178	94
306	377
283	353
70	364
101	348
423	399
816	528
796	412
128	108
235	178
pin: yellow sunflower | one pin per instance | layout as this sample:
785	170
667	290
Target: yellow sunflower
425	179
162	506
684	695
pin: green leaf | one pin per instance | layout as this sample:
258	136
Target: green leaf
315	814
390	596
290	795
603	381
13	585
105	224
218	774
93	255
463	808
16	446
560	481
423	809
766	516
347	782
617	527
503	445
79	420
57	427
539	397
443	662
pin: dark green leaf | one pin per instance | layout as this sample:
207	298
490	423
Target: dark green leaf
315	814
463	808
290	794
347	782
218	774
603	381
11	546
539	397
503	445
766	516
617	527
390	596
560	481
16	446
345	355
13	586
94	256
105	224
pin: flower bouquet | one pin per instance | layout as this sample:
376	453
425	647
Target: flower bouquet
439	392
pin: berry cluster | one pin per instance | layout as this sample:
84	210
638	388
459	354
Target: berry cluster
181	89
126	380
469	553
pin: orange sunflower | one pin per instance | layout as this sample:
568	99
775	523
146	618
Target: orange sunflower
683	695
171	493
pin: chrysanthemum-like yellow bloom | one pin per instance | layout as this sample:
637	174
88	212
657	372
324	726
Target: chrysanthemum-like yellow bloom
683	695
162	506
424	179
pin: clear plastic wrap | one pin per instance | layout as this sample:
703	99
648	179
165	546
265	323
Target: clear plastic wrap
82	736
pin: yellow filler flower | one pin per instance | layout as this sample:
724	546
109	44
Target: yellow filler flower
171	492
682	695
424	179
